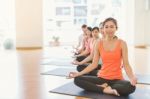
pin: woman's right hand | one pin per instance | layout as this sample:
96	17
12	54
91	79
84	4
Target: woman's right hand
133	81
76	63
73	75
75	56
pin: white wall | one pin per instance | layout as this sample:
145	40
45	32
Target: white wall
29	23
139	22
147	26
142	23
129	24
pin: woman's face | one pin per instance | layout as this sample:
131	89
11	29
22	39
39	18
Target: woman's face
95	33
88	32
84	29
109	29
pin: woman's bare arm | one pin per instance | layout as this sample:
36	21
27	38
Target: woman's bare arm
94	62
126	64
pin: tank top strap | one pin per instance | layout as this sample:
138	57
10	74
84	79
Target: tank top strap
119	43
100	44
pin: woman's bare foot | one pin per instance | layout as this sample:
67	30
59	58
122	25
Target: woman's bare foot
103	85
109	90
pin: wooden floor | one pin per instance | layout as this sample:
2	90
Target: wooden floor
20	72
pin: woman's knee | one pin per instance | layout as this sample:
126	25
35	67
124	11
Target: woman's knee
124	88
79	68
93	73
132	89
99	66
80	58
78	80
128	89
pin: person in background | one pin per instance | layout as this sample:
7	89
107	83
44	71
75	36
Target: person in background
84	63
82	55
81	46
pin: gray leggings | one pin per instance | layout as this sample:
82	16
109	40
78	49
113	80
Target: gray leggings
90	83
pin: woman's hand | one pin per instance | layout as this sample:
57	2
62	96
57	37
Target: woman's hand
133	81
75	47
73	75
75	56
76	63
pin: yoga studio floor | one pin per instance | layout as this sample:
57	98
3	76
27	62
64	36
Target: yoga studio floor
21	78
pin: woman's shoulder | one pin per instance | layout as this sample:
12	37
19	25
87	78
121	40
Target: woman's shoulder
122	42
89	40
85	38
98	42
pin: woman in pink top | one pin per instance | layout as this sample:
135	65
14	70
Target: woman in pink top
91	44
113	52
86	52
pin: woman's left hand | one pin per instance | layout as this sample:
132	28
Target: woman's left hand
133	81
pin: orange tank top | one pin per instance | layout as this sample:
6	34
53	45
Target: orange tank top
112	61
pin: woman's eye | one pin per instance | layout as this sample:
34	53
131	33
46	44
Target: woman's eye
111	26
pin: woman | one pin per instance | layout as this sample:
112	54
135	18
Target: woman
113	52
81	40
85	52
84	63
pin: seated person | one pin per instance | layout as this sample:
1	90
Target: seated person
84	63
113	52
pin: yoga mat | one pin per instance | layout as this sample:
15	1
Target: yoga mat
58	58
73	90
57	62
59	72
142	79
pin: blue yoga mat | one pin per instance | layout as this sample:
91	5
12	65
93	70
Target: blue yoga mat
73	90
57	62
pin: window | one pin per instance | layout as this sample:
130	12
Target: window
68	16
97	9
80	11
80	21
79	1
63	11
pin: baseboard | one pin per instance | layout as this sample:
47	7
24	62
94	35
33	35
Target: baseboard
28	48
140	46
